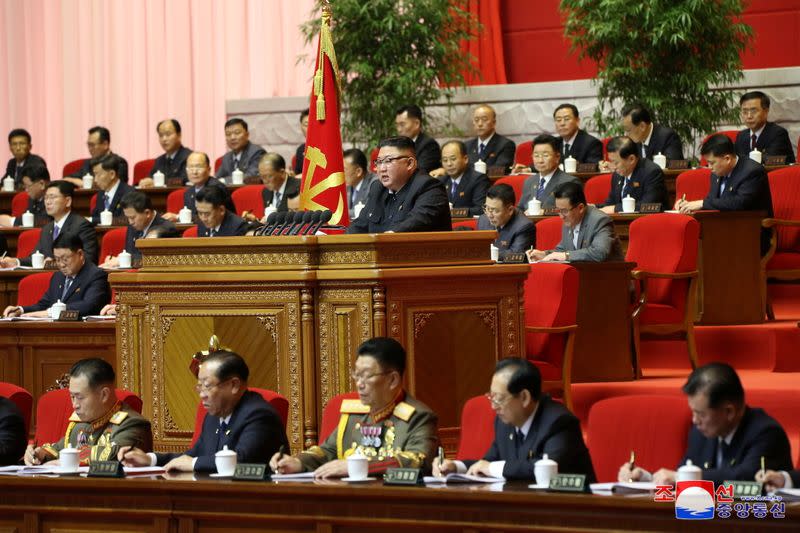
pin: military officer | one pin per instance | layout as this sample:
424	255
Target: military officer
100	423
385	424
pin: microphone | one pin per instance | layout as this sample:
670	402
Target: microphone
294	218
323	219
308	216
269	225
288	218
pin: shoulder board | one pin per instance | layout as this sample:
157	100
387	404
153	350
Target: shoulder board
403	411
118	417
74	417
353	406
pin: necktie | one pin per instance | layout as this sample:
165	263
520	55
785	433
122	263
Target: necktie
574	235
211	232
567	148
482	151
644	150
753	140
67	285
723	182
626	189
453	188
277	199
723	448
107	201
56	231
540	190
519	439
353	193
221	437
18	173
235	163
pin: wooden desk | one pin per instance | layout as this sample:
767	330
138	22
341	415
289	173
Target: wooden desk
34	504
12	236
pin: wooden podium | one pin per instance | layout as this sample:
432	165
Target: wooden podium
296	308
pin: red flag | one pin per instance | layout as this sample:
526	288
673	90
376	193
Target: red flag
323	184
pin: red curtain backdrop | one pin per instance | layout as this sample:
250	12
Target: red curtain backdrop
488	48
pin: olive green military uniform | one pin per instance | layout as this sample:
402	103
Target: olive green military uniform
403	434
100	439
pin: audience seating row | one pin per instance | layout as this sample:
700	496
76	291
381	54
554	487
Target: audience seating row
141	169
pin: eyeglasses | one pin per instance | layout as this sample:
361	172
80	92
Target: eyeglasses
497	402
63	259
52	197
389	160
363	378
750	111
546	155
206	388
565	212
492	210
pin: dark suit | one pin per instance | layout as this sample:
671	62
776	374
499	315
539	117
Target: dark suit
596	239
470	191
30	161
132	234
190	192
248	161
498	152
518	235
255	432
361	193
231	226
36	208
664	141
421	205
585	148
774	140
88	293
176	168
292	188
115	207
531	185
13	439
747	189
795	475
758	435
646	186
86	168
299	158
73	224
554	431
429	154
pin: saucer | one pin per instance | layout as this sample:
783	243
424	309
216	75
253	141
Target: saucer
216	474
350	480
66	472
537	486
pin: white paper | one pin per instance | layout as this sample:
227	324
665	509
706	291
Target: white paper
623	488
790	495
463	478
309	476
98	318
141	470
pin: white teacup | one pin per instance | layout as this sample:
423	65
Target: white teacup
37	260
494	252
8	184
68	459
570	165
158	179
56	309
124	259
628	205
237	177
689	472
185	215
87	182
27	219
357	209
357	467
106	218
225	460
755	155
544	469
480	167
535	207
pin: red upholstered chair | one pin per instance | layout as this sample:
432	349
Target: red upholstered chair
597	188
782	261
330	414
27	241
32	287
373	155
217	164
664	248
605	142
551	307
294	160
190	233
548	233
654	426
278	401
21	398
142	170
477	428
72	167
93	202
693	183
19	204
175	201
113	242
516	182
731	134
524	154
471	224
248	198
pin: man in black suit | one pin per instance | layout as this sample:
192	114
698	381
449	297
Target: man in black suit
489	146
760	134
215	219
58	203
634	176
19	142
300	153
358	180
728	438
237	418
278	185
243	154
781	479
575	142
172	163
515	232
142	218
35	183
542	185
653	139
408	121
112	189
464	185
403	198
99	145
12	433
198	172
528	426
79	284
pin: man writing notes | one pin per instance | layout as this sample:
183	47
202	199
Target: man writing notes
385	424
515	233
99	145
540	186
489	146
760	134
653	139
634	176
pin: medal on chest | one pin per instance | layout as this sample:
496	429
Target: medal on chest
371	435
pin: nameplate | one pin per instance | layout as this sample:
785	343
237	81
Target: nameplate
568	483
745	489
677	164
496	171
402	476
174	181
68	315
119	221
774	160
513	257
650	208
585	168
106	469
550	211
252	472
252	180
459	212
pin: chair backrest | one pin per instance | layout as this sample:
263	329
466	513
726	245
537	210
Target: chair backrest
597	188
19	204
189	233
551	300
248	198
693	183
477	428
472	223
175	201
32	287
516	182
26	243
217	164
666	243
605	142
656	427
548	233
113	243
21	398
142	169
330	414
93	202
784	185
373	155
72	167
278	402
524	153
731	134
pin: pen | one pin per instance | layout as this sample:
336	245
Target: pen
633	464
441	456
763	469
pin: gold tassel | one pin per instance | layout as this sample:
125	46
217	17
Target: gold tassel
318	81
321	107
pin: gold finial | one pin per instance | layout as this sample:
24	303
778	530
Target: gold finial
213	344
327	12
